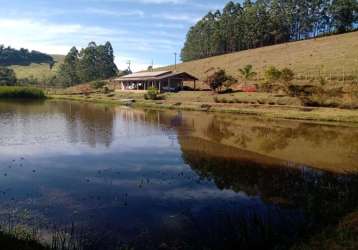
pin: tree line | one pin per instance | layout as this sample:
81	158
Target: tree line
95	62
267	22
10	56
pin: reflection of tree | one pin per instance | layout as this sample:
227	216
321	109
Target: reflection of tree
90	123
278	138
323	196
217	130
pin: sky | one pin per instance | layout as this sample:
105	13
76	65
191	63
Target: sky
141	31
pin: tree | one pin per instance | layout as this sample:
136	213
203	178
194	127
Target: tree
247	73
88	63
10	56
344	14
7	76
106	60
217	79
91	64
265	22
68	72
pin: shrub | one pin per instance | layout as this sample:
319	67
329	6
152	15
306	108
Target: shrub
218	79
98	84
272	74
21	93
247	73
152	94
287	75
7	76
322	81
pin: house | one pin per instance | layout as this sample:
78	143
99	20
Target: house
162	80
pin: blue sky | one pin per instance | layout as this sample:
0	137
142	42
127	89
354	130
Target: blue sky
139	30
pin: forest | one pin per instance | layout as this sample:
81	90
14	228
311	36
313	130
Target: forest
267	22
10	56
95	62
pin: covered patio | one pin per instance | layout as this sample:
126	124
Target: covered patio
162	80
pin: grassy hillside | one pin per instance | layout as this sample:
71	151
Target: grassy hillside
39	71
333	57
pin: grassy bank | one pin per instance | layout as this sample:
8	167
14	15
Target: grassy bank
332	57
21	93
9	242
276	107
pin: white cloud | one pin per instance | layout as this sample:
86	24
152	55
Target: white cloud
148	1
49	37
178	17
137	64
106	12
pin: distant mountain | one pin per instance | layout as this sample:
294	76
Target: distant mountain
10	56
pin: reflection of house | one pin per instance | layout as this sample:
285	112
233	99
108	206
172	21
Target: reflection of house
163	80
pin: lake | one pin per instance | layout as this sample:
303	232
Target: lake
89	176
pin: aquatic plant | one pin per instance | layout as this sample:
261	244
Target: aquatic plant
21	93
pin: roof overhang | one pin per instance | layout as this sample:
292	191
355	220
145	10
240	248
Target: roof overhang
162	75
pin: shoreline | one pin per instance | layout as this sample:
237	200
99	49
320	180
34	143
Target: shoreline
299	113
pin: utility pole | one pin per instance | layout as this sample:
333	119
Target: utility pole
129	65
175	61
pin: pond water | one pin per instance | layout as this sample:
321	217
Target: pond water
91	176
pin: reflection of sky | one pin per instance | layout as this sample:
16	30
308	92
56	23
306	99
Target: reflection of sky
139	178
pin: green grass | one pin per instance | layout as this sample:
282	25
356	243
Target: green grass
21	93
9	242
38	70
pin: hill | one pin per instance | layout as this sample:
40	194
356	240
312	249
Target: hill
38	70
334	57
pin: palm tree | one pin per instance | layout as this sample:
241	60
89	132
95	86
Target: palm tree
247	73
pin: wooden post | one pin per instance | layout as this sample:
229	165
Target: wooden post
194	84
344	75
159	88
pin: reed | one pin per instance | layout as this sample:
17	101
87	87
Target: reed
7	92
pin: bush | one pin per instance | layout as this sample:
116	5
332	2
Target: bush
152	94
287	75
98	84
272	74
218	79
7	76
21	93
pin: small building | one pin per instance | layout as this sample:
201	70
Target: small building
162	80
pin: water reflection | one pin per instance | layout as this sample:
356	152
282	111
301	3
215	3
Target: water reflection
97	177
58	122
